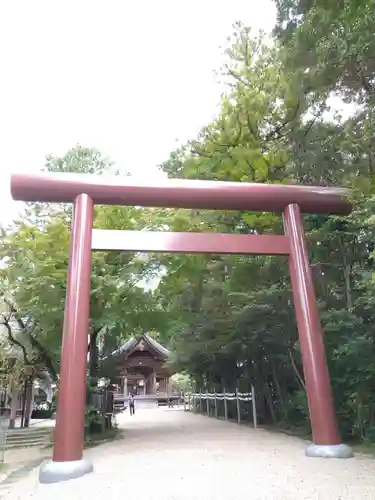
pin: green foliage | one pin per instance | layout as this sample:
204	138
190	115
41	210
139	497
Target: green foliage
182	382
34	255
80	160
330	44
231	318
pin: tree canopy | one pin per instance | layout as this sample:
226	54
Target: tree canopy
233	321
34	252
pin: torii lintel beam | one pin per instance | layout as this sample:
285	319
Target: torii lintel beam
169	242
178	193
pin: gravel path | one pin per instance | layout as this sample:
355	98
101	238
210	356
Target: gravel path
168	454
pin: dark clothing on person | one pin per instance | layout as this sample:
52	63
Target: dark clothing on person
131	405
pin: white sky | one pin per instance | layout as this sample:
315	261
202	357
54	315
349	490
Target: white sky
128	78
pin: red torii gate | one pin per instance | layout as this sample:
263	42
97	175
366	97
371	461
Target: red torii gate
84	191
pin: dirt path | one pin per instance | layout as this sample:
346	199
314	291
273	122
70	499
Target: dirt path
172	455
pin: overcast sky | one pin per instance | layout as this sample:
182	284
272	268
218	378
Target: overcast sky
128	78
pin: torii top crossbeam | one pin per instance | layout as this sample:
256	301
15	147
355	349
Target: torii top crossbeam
178	193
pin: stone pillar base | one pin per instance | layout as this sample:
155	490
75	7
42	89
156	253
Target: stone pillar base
55	472
329	451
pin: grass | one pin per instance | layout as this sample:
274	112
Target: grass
299	432
102	437
364	448
3	467
91	441
97	438
15	475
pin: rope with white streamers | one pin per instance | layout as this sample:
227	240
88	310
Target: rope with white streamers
230	396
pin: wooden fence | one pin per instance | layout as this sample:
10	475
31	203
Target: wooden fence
193	401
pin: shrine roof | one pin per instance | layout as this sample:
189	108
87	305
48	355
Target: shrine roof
129	346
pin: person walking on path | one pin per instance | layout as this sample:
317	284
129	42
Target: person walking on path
131	404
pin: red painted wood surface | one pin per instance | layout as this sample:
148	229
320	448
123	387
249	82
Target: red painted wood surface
70	415
217	243
318	386
178	193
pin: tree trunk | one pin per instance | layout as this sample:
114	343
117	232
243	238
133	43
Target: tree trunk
14	394
43	354
348	288
44	357
94	354
270	402
296	371
24	392
29	397
347	277
278	389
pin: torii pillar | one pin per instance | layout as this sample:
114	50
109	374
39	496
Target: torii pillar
67	462
85	190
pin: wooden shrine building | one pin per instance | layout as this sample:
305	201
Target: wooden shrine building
141	369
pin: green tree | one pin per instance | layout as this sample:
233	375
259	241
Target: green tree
330	44
232	321
34	253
